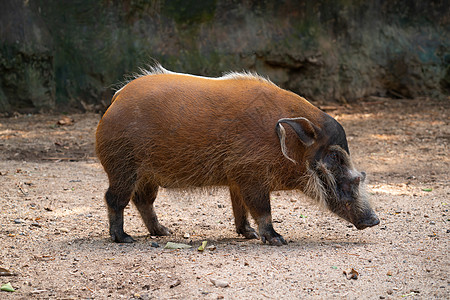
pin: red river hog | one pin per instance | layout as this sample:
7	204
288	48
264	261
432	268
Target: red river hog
172	130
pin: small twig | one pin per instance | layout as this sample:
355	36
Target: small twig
397	94
59	158
23	192
38	291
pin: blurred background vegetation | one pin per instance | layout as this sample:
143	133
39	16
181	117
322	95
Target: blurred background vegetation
66	54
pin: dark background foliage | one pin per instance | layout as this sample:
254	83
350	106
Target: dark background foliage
61	54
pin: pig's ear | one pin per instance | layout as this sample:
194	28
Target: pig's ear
305	130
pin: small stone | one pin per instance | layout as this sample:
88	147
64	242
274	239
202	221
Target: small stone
186	235
432	223
219	283
382	297
155	245
18	221
145	297
175	283
63	229
36	224
389	291
211	248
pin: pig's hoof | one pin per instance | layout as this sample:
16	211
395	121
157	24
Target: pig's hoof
248	233
122	238
273	239
160	230
251	235
277	241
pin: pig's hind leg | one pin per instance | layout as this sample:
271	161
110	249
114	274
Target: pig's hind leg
143	198
117	199
240	212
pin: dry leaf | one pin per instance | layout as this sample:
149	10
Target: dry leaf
202	247
65	121
351	273
171	245
7	287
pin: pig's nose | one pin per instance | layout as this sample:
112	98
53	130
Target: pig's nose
370	221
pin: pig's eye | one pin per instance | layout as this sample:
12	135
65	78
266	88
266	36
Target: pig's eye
333	158
328	160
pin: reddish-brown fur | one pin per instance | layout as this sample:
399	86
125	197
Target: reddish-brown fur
175	130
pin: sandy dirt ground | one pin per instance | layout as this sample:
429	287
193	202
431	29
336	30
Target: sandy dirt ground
54	240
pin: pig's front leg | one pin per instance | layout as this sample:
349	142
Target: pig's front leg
258	203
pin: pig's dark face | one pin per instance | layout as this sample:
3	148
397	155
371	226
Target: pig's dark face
330	177
340	187
345	188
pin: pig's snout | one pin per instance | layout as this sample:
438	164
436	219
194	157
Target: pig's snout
369	221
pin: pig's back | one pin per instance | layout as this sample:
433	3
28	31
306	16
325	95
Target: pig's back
193	131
